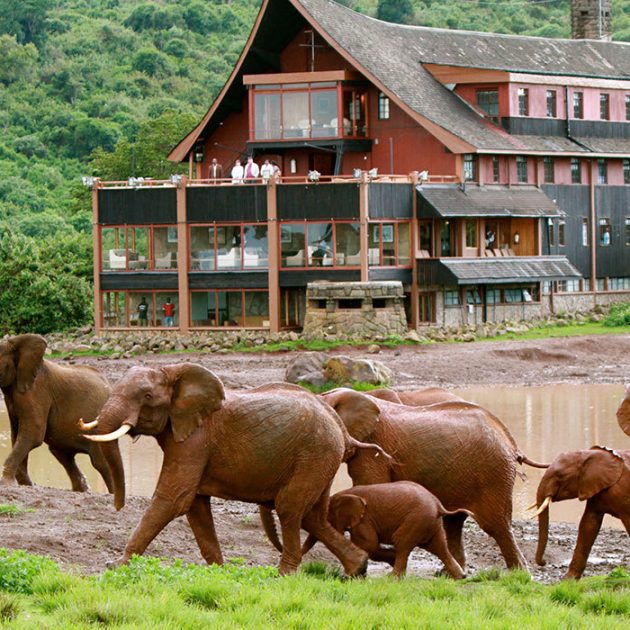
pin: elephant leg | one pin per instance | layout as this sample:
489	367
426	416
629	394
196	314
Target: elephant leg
453	526
383	554
99	462
402	558
21	474
439	547
202	524
18	457
353	559
590	525
77	479
500	528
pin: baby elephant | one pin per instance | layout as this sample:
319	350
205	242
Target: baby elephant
401	513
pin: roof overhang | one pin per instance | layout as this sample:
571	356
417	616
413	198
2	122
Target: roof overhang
517	269
470	201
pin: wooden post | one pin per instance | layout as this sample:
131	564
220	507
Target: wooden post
98	260
364	196
182	257
273	240
415	247
593	219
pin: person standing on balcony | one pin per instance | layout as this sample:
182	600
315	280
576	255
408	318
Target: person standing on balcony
143	313
266	171
237	172
168	308
216	171
251	171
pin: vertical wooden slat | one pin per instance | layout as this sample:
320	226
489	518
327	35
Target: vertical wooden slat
273	238
182	257
415	247
364	198
98	258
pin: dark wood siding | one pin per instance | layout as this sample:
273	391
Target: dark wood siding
558	127
390	201
318	201
302	278
139	206
247	202
403	275
229	280
121	281
613	202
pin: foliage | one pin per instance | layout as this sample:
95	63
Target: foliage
10	510
399	11
619	315
19	569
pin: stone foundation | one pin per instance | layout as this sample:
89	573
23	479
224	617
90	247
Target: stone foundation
363	308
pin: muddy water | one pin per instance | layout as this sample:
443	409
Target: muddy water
544	421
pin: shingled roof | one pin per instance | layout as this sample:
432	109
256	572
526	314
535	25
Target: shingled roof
392	57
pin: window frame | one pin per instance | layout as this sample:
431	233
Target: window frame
488	91
549	170
604	106
578	105
216	291
602	171
603	223
552	103
522	164
383	106
396	240
153	308
523	101
576	170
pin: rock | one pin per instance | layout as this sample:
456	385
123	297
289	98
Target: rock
373	348
293	336
304	364
343	370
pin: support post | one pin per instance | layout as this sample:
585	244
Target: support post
592	166
364	195
98	260
415	247
182	257
273	239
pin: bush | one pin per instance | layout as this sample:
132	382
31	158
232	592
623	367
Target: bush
619	315
19	569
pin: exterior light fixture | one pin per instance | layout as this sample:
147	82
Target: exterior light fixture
313	176
292	166
133	182
176	180
517	238
89	181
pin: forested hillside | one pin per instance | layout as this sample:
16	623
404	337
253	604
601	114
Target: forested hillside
106	87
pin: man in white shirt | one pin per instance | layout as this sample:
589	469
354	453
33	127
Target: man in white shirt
251	171
237	173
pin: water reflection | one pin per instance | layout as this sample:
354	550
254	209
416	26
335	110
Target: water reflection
544	421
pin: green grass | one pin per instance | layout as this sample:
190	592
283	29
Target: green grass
148	593
571	330
358	386
10	510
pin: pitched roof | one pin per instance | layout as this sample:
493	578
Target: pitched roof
391	56
485	201
503	270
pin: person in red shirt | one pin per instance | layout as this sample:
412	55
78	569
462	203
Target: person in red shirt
168	308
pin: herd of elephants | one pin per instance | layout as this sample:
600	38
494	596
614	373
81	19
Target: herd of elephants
421	462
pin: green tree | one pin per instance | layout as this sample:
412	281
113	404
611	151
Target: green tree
17	62
399	11
24	19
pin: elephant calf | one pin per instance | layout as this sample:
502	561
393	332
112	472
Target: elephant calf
599	476
402	514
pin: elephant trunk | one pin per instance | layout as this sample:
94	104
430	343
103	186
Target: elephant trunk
543	500
111	452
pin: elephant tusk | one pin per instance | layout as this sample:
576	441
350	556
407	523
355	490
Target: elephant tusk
86	426
109	437
543	506
532	506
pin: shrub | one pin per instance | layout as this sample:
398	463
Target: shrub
619	315
19	569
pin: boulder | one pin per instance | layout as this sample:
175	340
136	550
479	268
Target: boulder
303	365
343	370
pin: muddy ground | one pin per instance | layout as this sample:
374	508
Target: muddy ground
84	532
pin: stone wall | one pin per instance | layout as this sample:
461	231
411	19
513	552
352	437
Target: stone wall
586	21
364	308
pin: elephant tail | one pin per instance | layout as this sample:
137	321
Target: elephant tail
269	525
353	445
461	512
523	459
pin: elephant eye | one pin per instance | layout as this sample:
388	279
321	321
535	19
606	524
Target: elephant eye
148	396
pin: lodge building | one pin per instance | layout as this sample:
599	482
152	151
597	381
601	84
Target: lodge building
490	174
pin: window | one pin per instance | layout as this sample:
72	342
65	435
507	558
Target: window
627	233
627	106
493	296
562	224
389	244
495	169
551	104
585	230
576	171
471	233
229	246
521	169
578	104
383	106
473	297
235	308
568	286
426	236
618	284
605	232
602	171
451	298
552	232
139	248
140	308
470	167
488	101
604	106
626	171
523	102
549	170
347	245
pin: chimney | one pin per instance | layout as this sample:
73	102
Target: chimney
591	19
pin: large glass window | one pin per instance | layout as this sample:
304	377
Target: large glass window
267	118
562	228
576	171
495	169
139	248
627	106
320	244
295	115
323	110
604	106
426	237
292	245
470	167
602	171
354	112
218	247
605	232
549	169
521	169
383	106
140	309
585	237
488	101
451	298
523	102
471	233
236	308
389	244
347	245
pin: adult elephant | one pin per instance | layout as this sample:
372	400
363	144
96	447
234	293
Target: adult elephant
623	413
45	402
416	398
278	446
459	451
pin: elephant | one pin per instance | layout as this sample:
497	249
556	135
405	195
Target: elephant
416	398
601	477
402	514
45	402
459	451
277	445
623	413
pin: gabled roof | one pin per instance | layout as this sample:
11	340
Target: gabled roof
391	56
485	201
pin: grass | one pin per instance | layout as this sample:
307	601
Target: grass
149	593
359	386
571	330
11	510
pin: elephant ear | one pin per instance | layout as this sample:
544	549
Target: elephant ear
348	510
623	413
359	412
601	469
29	355
197	393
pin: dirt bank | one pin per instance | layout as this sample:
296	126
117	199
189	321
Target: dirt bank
84	531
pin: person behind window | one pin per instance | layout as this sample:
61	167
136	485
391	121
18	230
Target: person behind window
489	238
168	308
143	312
216	170
237	172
